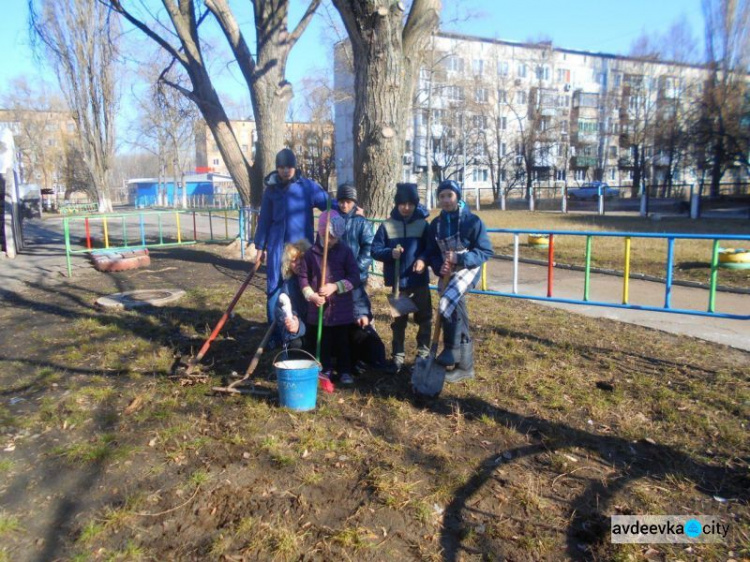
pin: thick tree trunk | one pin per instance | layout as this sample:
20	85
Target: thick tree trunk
387	55
270	96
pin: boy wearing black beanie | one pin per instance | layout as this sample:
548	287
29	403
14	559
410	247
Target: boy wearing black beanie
404	237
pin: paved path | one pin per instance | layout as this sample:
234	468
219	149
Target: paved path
608	288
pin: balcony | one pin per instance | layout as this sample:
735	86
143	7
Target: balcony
583	162
625	162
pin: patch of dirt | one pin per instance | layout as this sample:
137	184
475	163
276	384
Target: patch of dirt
104	456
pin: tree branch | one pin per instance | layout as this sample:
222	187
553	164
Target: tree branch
116	5
422	18
232	32
303	23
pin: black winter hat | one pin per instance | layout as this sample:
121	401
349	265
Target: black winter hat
286	158
450	184
346	191
406	193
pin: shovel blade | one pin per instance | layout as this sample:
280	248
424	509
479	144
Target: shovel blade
401	306
428	376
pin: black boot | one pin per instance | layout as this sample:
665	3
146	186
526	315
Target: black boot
465	366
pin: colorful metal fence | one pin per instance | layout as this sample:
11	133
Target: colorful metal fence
625	296
147	233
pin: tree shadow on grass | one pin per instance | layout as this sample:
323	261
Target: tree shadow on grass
589	519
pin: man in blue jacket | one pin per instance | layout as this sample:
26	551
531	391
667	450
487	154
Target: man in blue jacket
458	246
286	215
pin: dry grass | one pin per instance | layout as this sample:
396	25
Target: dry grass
525	462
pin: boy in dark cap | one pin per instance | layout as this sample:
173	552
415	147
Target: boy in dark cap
404	236
458	246
366	343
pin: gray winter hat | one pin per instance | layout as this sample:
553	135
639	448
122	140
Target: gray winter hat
346	191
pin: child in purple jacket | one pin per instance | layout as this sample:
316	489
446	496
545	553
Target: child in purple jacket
342	275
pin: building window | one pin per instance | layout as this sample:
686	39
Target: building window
579	175
563	76
560	175
521	70
455	93
502	68
215	161
542	72
502	96
587	126
481	95
479	175
480	122
521	97
612	174
503	149
455	63
477	65
502	123
613	152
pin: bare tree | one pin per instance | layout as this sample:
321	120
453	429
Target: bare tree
723	125
40	124
264	74
80	40
387	47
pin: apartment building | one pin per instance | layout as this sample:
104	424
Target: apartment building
43	142
489	112
312	142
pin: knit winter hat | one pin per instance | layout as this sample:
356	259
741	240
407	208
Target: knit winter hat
450	184
346	191
406	193
286	158
338	226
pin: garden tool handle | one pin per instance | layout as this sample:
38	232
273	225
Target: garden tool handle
397	278
323	278
438	320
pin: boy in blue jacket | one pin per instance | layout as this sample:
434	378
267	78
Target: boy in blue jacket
458	246
404	236
367	347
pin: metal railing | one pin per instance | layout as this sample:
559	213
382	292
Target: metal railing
625	297
148	235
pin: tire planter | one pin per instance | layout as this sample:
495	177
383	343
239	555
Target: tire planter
135	299
112	262
734	258
538	240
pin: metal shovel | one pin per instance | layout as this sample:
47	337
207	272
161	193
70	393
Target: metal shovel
400	305
428	376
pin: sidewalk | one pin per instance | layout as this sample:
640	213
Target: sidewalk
532	280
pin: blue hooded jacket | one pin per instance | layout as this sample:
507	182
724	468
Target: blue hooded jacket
358	236
413	236
473	237
286	215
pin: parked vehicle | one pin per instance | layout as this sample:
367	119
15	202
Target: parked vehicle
590	191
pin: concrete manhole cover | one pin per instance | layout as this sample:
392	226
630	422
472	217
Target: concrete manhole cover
134	299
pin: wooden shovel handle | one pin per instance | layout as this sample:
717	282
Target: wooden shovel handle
438	320
256	358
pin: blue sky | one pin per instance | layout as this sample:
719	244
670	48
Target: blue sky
608	26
